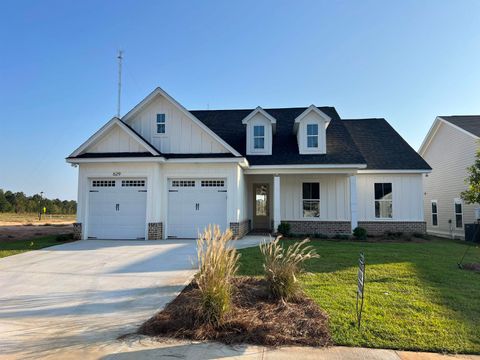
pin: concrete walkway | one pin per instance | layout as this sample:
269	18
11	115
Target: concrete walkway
79	297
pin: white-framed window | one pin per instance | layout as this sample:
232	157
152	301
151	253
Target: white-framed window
312	135
133	183
458	209
434	213
103	183
311	199
383	200
259	137
160	123
212	183
183	183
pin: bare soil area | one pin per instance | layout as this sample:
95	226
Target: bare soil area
253	319
13	232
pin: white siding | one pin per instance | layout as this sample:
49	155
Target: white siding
407	201
259	119
182	135
116	140
449	153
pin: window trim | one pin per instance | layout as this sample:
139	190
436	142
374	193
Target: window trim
260	149
375	200
313	136
455	202
434	213
302	200
164	123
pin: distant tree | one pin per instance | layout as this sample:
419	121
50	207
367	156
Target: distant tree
472	194
18	202
4	204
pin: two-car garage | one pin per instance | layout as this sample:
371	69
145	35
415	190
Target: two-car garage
117	207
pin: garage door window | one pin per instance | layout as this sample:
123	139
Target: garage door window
135	183
183	183
103	183
213	183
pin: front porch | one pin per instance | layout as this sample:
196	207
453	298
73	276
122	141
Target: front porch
312	203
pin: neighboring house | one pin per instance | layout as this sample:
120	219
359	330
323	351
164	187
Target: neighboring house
450	148
163	171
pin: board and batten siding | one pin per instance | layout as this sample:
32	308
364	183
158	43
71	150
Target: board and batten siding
407	196
116	140
449	154
182	135
334	197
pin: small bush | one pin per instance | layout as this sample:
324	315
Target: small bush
217	264
394	234
282	267
360	233
64	237
341	237
284	228
320	236
420	235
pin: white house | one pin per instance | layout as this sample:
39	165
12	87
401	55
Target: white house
449	147
162	171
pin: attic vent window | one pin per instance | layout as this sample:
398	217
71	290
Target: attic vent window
259	137
160	123
312	135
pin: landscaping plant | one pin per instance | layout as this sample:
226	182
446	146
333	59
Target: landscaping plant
282	267
284	228
218	263
360	233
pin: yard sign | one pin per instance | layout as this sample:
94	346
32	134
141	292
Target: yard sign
360	287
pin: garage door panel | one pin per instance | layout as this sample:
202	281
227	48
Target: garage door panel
192	207
117	211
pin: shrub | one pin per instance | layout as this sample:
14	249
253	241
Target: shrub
282	267
360	233
341	237
284	228
420	235
320	236
217	263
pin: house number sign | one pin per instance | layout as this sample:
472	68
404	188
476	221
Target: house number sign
117	173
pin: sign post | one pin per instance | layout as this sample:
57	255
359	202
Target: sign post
360	288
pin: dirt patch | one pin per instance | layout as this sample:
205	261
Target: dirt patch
254	319
472	267
23	232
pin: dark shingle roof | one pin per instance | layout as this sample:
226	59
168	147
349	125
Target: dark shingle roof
470	123
383	147
228	125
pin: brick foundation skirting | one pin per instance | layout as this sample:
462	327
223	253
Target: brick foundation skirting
77	231
155	231
240	229
380	227
319	227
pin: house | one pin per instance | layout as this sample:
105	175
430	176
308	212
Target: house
162	171
450	148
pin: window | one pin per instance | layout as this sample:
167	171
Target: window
259	137
160	123
133	183
103	183
213	183
261	200
312	135
434	213
183	183
311	200
383	200
458	213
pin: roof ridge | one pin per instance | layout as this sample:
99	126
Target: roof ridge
264	108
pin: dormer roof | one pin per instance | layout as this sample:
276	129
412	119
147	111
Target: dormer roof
259	110
316	110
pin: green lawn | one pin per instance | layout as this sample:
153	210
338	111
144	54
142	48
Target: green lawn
8	248
416	298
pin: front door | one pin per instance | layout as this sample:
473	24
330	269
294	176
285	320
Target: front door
261	207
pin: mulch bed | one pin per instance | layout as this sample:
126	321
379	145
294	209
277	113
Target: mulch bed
254	319
472	267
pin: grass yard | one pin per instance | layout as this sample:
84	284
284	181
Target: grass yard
19	246
416	298
32	218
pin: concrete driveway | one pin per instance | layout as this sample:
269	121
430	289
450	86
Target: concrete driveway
77	298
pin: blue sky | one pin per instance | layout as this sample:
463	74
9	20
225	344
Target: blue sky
407	61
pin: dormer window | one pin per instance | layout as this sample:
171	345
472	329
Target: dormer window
160	123
259	137
312	135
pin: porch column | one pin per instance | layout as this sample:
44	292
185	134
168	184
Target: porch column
276	202
353	201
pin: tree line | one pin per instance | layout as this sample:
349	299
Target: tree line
20	203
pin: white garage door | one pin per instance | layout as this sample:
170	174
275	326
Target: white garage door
193	204
117	208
